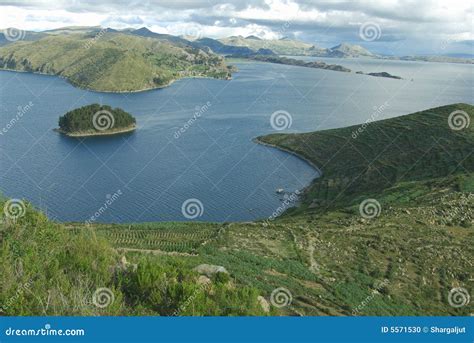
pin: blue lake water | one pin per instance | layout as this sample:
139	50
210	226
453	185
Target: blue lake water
214	160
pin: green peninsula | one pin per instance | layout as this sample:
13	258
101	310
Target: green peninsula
112	61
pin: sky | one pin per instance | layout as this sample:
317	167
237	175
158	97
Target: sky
393	27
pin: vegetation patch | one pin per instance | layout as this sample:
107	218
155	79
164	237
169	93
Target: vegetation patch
95	119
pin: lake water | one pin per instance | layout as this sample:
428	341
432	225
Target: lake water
153	171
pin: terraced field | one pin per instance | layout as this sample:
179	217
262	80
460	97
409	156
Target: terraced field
387	230
159	237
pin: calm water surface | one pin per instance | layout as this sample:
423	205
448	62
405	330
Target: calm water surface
214	160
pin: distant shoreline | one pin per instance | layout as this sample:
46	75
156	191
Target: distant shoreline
95	133
109	91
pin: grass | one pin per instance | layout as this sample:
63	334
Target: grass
333	261
113	62
360	161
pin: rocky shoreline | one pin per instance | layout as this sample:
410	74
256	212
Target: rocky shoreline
97	133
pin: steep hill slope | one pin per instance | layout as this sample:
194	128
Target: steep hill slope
111	61
365	159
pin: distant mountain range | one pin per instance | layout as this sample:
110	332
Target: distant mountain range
286	46
105	59
244	46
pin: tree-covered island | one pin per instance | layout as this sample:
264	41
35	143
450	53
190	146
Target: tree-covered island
96	120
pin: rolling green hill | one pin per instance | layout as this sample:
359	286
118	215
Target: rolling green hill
111	61
403	254
366	159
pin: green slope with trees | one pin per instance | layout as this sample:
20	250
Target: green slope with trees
112	61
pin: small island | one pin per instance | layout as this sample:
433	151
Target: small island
381	74
96	120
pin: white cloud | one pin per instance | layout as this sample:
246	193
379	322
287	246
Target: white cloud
313	20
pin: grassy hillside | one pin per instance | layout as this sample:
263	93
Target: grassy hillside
330	257
49	269
362	160
111	61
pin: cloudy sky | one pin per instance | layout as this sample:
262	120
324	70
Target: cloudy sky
400	26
